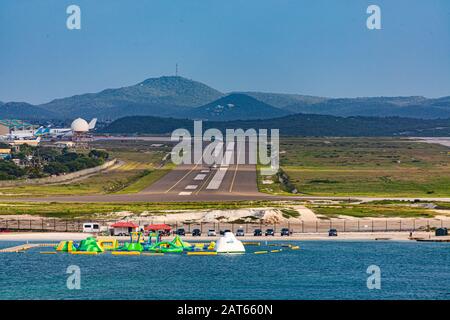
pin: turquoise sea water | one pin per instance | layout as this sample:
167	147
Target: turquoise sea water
319	270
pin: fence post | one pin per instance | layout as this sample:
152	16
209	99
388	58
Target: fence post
372	226
54	224
358	225
414	224
386	225
30	224
400	225
344	225
317	226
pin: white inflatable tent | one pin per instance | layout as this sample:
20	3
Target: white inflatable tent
229	244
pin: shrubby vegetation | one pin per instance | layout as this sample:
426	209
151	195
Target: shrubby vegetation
38	162
286	184
306	125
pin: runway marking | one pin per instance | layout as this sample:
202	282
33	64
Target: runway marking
185	193
235	172
220	174
217	179
200	177
205	171
195	167
205	182
191	187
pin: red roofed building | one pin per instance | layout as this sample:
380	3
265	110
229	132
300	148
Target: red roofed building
123	228
158	227
155	227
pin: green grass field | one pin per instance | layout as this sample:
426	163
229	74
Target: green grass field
325	211
365	167
141	169
371	211
107	210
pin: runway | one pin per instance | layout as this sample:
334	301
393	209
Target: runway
200	182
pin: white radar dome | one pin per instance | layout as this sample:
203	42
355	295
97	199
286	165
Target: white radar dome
80	125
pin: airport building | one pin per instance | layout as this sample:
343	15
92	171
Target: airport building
8	126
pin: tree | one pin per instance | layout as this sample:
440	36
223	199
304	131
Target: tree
10	170
55	168
98	154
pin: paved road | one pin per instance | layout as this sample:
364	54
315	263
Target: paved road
202	197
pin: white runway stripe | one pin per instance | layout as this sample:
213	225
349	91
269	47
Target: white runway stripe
191	187
216	181
229	153
200	177
185	193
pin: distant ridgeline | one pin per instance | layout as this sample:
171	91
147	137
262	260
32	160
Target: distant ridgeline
183	98
293	125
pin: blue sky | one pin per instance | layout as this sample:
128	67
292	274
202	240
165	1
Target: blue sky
315	47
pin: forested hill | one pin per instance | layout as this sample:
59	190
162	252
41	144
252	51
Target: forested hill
293	125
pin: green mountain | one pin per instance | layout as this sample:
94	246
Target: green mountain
294	125
286	101
179	97
235	106
155	96
413	107
24	111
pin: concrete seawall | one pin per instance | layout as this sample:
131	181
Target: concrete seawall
61	178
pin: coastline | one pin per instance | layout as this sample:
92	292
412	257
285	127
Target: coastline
355	236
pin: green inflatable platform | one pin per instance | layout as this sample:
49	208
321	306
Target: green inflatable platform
89	244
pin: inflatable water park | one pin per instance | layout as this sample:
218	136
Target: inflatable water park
153	245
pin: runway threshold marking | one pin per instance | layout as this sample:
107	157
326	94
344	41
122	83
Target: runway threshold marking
185	193
205	182
216	181
191	187
235	172
200	176
189	172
